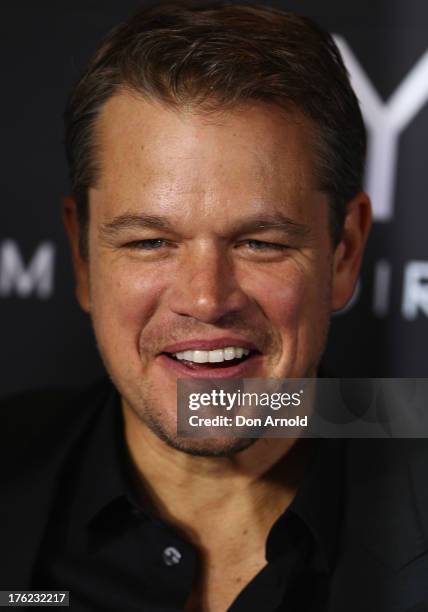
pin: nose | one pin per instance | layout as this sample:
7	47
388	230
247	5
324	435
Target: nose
206	287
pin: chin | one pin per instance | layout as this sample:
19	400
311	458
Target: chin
213	447
200	447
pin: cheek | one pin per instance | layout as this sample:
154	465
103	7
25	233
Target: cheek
281	297
123	300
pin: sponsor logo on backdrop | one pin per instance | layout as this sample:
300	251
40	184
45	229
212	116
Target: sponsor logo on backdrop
414	295
26	278
385	122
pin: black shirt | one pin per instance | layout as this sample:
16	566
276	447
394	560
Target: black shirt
113	554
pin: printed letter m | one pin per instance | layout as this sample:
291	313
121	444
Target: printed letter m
36	278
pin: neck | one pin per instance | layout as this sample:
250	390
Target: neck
252	487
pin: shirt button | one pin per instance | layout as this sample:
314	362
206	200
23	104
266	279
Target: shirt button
171	556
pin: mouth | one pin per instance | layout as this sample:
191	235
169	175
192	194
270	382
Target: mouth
233	360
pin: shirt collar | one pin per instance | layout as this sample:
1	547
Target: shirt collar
104	481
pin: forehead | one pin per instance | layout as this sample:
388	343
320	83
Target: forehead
150	153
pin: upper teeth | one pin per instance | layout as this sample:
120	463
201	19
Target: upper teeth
215	356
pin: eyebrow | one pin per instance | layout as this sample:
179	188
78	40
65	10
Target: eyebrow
131	221
276	221
250	224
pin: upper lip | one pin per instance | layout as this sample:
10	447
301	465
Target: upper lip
202	344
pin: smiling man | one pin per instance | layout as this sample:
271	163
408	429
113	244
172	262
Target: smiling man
218	201
216	222
210	251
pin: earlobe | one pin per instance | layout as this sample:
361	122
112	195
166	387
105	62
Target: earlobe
80	265
349	252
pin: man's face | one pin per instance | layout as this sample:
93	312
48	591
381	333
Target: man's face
208	239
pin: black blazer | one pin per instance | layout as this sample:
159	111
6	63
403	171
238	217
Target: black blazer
382	562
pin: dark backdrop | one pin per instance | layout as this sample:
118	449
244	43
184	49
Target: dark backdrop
47	341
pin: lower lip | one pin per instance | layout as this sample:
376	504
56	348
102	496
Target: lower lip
246	369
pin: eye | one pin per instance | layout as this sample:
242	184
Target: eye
148	244
261	245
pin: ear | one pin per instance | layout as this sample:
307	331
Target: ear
349	252
80	264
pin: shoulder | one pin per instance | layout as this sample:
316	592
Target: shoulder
386	497
35	423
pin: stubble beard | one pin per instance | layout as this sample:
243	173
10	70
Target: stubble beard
151	417
145	407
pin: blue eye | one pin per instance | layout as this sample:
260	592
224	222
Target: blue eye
259	245
148	244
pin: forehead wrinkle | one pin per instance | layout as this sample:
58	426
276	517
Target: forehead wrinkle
196	187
